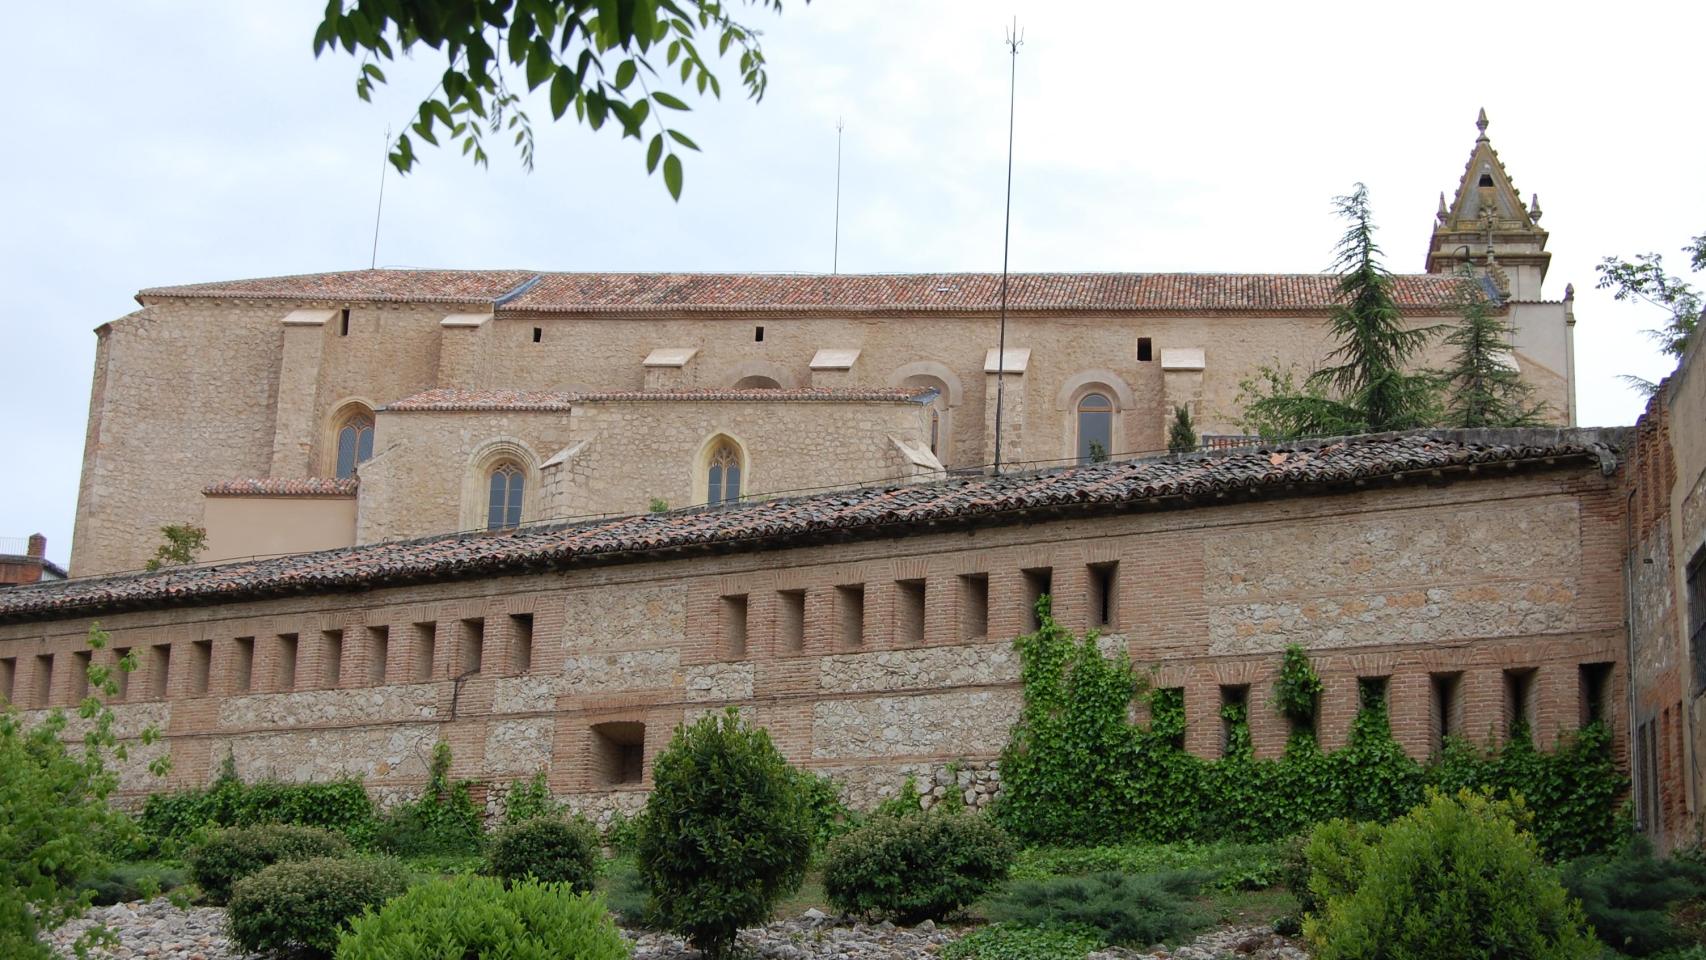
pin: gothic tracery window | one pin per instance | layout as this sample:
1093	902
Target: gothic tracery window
1095	428
355	442
722	479
503	505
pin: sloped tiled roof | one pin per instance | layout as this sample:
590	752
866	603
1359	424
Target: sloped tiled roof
283	487
889	510
447	399
787	293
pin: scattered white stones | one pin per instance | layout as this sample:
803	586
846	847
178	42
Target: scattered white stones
157	930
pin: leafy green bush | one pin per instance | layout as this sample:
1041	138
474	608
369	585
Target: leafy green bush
1628	896
1454	879
1297	689
1229	866
227	856
549	850
1121	908
622	834
1078	772
303	906
1003	941
124	882
443	820
907	803
341	806
829	816
1333	855
914	868
479	917
725	834
530	800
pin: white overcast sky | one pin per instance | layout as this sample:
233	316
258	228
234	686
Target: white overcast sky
158	142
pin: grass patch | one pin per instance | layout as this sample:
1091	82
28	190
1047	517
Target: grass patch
1228	866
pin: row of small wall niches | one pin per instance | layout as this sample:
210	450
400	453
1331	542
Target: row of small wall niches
331	659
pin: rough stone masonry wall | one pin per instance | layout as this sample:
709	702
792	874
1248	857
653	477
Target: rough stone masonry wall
1489	581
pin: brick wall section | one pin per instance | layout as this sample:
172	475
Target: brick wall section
647	642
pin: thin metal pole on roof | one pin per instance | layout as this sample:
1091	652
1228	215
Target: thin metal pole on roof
385	161
1014	40
835	259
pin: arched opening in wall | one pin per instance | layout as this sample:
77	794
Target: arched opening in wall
757	382
723	473
354	431
1095	428
940	414
504	489
618	752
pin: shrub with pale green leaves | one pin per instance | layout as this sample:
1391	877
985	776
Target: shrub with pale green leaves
303	907
1454	879
913	868
549	850
1003	941
726	833
478	917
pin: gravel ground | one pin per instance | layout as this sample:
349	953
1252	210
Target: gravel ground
156	930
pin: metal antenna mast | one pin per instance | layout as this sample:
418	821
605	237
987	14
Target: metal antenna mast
385	161
1015	39
835	261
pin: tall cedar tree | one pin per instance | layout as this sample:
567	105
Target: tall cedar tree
1182	435
1484	388
1367	389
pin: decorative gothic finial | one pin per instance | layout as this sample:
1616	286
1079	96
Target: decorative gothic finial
1534	207
1569	291
1442	214
1481	124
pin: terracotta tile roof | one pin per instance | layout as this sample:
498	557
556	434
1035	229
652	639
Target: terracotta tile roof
283	487
878	511
605	293
453	399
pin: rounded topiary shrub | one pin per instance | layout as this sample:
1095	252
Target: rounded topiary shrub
548	850
725	834
1454	879
303	906
230	855
915	868
470	916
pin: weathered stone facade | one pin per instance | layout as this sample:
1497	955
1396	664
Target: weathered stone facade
569	671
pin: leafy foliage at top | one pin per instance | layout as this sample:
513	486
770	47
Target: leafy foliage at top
55	823
184	542
1077	771
601	57
443	820
1644	279
1367	387
725	834
1297	689
172	818
1455	879
1483	388
549	850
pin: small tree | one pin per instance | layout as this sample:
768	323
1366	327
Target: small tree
1182	435
54	817
1645	279
184	542
1484	388
725	834
1368	388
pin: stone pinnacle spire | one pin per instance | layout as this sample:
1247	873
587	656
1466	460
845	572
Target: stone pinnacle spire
1481	125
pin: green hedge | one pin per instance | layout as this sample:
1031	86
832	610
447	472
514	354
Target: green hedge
303	907
549	850
1077	771
916	867
478	917
342	806
228	856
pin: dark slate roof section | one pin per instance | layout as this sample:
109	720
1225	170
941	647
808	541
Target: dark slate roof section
525	292
877	511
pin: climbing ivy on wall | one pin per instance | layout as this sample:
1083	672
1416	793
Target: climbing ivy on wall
1078	771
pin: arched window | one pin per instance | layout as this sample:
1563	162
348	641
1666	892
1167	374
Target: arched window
757	382
503	504
722	479
1095	428
355	442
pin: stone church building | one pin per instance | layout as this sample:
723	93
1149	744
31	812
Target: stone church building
432	503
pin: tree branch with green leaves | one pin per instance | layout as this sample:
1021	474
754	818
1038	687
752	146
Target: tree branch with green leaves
592	55
1645	280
